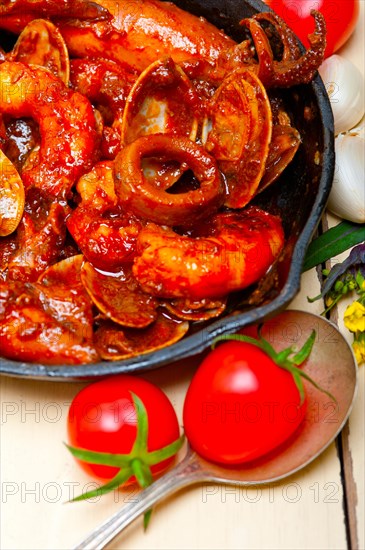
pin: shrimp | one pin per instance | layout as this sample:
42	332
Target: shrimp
103	82
231	252
106	84
66	121
104	231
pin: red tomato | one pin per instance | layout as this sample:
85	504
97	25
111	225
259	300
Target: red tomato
341	17
102	417
240	405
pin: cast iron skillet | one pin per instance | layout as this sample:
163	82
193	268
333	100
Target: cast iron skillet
299	197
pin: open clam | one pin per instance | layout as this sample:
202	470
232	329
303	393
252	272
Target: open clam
237	133
285	141
200	310
117	343
41	43
11	197
119	298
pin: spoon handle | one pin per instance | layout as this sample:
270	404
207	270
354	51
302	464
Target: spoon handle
187	472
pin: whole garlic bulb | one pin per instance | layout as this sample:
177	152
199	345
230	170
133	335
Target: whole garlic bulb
347	197
345	87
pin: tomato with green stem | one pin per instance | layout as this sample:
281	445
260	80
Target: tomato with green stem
122	429
245	399
341	17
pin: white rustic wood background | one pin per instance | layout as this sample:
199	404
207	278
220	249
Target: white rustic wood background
322	507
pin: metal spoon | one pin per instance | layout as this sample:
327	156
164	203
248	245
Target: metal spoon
331	364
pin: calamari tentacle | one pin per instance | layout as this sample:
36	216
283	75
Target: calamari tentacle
292	69
302	70
287	36
263	49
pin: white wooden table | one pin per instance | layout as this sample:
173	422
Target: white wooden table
322	507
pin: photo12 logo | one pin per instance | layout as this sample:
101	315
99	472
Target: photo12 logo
292	493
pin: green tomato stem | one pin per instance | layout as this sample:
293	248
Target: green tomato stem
95	457
144	477
140	444
282	358
154	457
118	480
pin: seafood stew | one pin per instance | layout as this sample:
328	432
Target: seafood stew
142	196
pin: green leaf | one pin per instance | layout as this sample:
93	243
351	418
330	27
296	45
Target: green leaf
140	444
95	457
144	477
264	345
305	351
118	480
154	457
299	384
146	519
142	473
284	354
333	242
317	386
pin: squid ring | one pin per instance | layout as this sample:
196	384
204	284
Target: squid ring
143	196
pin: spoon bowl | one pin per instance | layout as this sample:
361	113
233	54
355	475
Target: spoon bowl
333	367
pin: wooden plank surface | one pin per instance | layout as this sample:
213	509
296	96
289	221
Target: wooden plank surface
353	436
38	476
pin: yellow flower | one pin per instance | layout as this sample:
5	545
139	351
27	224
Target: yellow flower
354	317
359	349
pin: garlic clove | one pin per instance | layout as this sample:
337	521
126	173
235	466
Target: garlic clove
345	87
347	197
359	129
